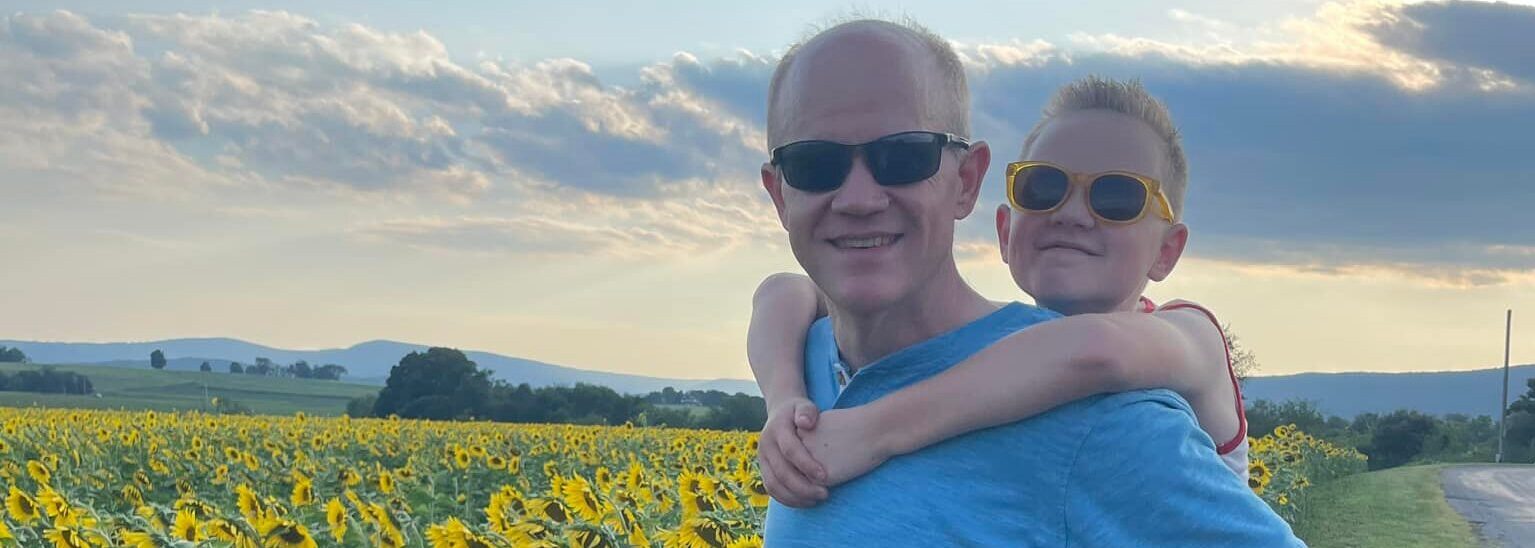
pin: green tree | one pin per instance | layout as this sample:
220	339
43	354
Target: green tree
236	368
1263	416
12	355
157	359
205	367
440	383
1399	438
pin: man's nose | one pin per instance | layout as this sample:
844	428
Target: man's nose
860	194
1075	212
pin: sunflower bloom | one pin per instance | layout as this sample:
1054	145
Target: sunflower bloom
39	472
580	498
335	517
285	533
66	537
186	527
21	507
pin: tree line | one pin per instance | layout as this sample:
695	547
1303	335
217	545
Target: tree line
14	355
1406	436
266	367
46	380
443	384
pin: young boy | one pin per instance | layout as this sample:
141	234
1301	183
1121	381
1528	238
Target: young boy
1092	215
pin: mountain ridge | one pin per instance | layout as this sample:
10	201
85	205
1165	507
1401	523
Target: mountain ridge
1346	394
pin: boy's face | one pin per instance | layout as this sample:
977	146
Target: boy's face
1067	259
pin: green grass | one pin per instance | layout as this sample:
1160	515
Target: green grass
1396	508
128	388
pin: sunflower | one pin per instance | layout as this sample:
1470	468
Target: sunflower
39	472
495	462
335	517
348	477
285	533
590	537
699	532
54	504
185	527
303	490
530	533
461	459
579	497
752	541
759	494
1258	476
224	530
250	504
549	509
21	507
67	537
5	531
138	539
385	483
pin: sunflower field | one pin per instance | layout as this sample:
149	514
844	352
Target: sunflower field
87	478
1282	464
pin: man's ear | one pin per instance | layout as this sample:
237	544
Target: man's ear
774	188
972	172
1004	228
1173	242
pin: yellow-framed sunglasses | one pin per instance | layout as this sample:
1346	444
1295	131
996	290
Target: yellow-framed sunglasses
1119	197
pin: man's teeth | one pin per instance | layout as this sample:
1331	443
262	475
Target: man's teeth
866	243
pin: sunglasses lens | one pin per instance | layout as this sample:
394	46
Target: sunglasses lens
904	158
815	166
1040	188
1117	197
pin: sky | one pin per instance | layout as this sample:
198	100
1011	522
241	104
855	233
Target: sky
577	183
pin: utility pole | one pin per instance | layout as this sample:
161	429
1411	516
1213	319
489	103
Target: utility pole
1508	328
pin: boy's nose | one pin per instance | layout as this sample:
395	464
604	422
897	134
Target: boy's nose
1075	211
860	194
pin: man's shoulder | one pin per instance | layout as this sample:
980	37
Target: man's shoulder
1016	315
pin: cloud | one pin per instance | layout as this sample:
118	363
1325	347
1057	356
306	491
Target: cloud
686	219
1365	134
1489	35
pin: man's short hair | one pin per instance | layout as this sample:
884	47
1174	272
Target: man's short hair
948	98
1129	98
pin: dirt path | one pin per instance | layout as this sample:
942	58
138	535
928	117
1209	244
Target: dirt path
1499	501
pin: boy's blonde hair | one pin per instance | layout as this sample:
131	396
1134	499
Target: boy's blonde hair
1129	98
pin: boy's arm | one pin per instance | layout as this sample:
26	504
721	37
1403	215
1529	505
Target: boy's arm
783	308
1054	363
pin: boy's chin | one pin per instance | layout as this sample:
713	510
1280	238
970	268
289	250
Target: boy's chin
1073	304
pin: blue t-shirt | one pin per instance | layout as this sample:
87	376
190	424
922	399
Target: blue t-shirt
1129	469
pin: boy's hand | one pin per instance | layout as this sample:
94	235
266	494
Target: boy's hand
847	443
789	473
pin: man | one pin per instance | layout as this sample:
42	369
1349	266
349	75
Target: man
873	226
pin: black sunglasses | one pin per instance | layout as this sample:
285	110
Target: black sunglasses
895	159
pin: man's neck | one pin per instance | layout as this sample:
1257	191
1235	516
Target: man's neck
946	304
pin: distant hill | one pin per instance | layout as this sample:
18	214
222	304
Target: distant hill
1343	394
1348	394
367	362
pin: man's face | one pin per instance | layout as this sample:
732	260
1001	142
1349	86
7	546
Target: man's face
1070	261
851	89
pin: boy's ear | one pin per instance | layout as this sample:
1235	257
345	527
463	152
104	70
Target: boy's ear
1173	242
774	188
1004	227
